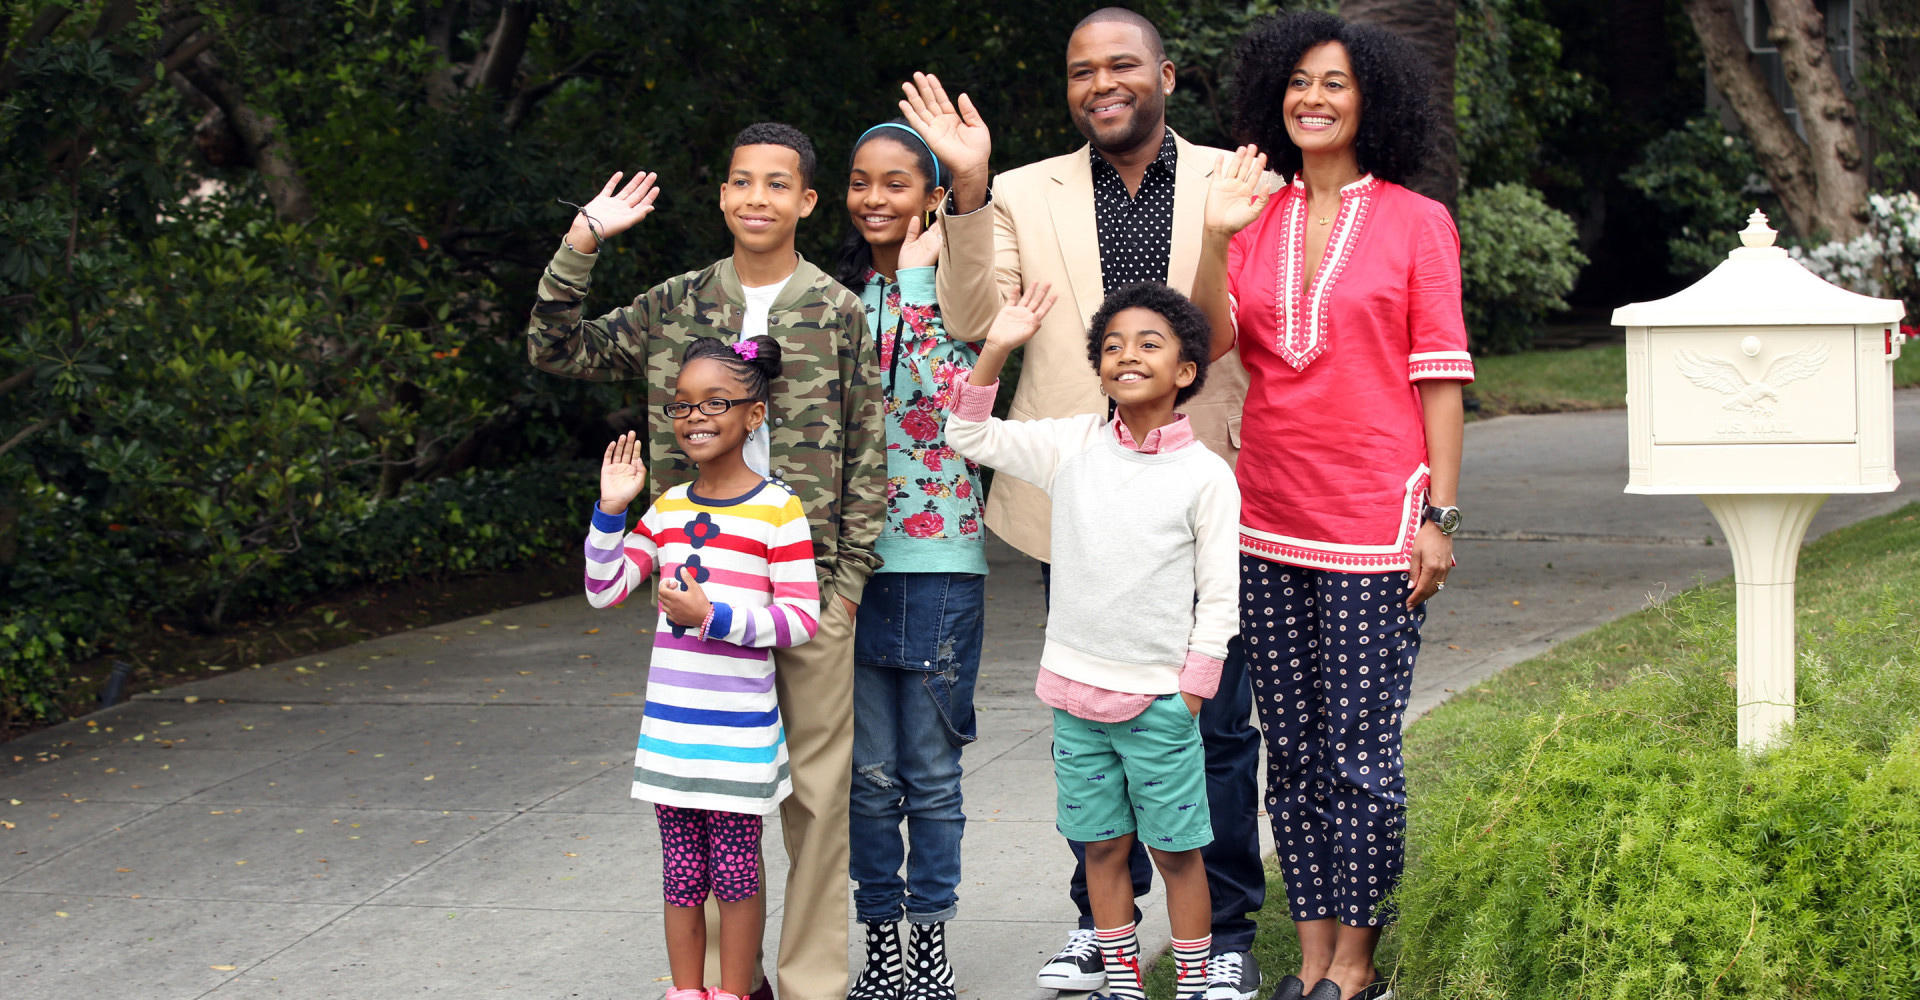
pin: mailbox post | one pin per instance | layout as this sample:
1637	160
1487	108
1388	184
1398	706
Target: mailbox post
1763	389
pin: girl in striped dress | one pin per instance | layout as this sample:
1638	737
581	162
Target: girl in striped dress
737	580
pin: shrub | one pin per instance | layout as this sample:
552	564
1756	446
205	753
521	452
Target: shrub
1884	261
1706	182
77	576
71	576
1614	842
1518	260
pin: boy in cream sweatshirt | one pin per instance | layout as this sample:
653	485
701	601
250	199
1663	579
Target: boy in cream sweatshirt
1145	595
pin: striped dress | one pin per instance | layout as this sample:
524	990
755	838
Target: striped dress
711	737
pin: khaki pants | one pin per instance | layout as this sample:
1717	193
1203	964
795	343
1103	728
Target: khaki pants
815	684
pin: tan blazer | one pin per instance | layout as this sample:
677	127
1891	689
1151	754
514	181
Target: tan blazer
1040	227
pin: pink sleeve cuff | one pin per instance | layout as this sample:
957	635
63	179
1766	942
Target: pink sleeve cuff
1200	675
1455	365
974	403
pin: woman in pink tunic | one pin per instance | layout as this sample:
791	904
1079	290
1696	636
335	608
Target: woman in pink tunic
1342	291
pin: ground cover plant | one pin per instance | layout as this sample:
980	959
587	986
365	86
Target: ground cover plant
1585	826
1582	826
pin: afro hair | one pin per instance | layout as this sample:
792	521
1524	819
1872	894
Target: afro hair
1189	325
1398	120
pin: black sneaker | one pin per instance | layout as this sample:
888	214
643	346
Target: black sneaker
1078	966
1233	975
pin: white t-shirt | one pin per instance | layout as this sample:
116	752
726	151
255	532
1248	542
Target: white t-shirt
760	302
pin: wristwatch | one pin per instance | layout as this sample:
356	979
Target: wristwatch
1447	518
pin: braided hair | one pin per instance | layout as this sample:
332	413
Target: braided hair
755	374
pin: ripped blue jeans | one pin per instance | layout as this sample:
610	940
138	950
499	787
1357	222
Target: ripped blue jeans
916	651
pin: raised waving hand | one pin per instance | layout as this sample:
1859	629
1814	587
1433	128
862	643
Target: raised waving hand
921	248
1020	318
1235	198
623	474
954	131
1016	324
613	211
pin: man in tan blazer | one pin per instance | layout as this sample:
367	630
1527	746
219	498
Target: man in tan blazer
1069	222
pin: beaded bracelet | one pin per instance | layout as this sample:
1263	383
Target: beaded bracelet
706	623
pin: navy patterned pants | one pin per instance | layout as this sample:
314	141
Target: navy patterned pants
1332	661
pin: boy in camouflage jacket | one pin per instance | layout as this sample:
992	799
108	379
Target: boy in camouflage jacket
827	443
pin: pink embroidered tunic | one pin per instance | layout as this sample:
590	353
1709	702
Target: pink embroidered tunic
1334	468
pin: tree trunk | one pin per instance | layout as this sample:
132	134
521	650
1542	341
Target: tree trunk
440	86
1821	199
1429	26
1826	115
260	134
497	66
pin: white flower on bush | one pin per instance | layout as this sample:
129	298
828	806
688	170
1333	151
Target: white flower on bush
1884	261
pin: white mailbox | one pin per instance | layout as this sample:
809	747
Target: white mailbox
1763	389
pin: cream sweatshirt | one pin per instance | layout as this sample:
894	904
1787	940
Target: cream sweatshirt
1135	538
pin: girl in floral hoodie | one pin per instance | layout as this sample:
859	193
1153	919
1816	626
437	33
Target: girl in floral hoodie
918	633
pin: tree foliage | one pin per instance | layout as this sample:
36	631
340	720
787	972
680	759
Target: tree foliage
1888	72
265	264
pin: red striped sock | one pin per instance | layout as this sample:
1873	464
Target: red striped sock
1190	964
1120	950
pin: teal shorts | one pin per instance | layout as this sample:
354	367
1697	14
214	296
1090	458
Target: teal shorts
1146	775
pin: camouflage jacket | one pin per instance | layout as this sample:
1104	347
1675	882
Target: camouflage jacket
828	443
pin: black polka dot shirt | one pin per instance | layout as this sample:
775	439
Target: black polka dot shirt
1136	232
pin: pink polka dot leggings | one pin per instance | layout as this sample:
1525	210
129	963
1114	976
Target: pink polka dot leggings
708	851
1331	657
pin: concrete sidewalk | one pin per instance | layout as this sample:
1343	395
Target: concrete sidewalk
445	811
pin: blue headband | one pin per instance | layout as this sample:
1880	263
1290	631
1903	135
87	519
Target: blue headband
910	131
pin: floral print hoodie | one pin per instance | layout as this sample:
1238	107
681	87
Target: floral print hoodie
935	508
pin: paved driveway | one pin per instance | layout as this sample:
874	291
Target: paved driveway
444	811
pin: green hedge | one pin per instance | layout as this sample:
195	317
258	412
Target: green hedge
1519	257
78	576
1612	842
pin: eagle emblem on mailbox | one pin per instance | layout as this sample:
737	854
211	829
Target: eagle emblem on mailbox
1719	374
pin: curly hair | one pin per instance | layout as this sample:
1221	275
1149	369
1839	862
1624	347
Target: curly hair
755	374
1189	325
1398	120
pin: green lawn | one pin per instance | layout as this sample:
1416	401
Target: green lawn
1868	573
1593	378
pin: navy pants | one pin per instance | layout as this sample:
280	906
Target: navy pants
1332	659
1235	877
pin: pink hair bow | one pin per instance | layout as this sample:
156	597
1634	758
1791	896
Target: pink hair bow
747	349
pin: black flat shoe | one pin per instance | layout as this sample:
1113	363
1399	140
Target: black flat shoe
1379	990
1325	989
1291	988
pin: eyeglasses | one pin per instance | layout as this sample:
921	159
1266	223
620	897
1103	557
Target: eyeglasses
711	407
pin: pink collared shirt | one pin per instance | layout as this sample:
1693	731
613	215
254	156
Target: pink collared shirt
1199	676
